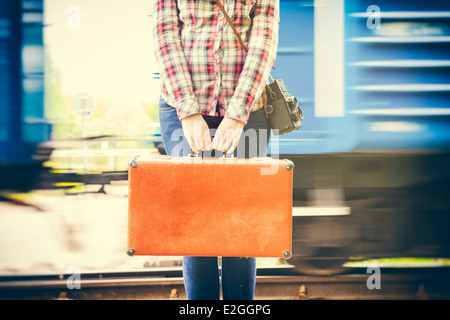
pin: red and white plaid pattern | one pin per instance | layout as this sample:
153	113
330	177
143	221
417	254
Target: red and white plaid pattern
202	64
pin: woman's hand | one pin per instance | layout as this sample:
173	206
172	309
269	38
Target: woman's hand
196	131
227	135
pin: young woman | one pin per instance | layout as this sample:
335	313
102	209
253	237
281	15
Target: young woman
211	100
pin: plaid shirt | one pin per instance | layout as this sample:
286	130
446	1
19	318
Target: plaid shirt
202	64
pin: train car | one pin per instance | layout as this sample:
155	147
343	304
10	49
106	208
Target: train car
22	120
371	174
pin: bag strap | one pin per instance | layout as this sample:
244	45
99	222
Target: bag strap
238	36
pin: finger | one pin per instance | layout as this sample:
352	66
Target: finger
191	144
193	147
207	140
198	144
202	143
233	146
217	141
226	142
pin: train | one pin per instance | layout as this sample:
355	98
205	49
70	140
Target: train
23	125
371	175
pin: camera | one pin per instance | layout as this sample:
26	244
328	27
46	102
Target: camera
282	109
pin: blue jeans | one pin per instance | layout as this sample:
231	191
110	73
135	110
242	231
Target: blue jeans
201	274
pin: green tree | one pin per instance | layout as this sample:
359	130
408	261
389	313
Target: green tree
57	105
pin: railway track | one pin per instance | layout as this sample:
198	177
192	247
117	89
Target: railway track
271	284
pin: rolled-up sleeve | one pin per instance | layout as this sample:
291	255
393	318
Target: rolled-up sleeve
260	58
172	63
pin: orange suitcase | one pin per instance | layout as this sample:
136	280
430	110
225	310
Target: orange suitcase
210	207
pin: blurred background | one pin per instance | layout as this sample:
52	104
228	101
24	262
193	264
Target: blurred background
79	89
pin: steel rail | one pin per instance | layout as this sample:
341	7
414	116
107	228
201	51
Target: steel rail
411	284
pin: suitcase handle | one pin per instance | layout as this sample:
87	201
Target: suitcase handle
194	154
